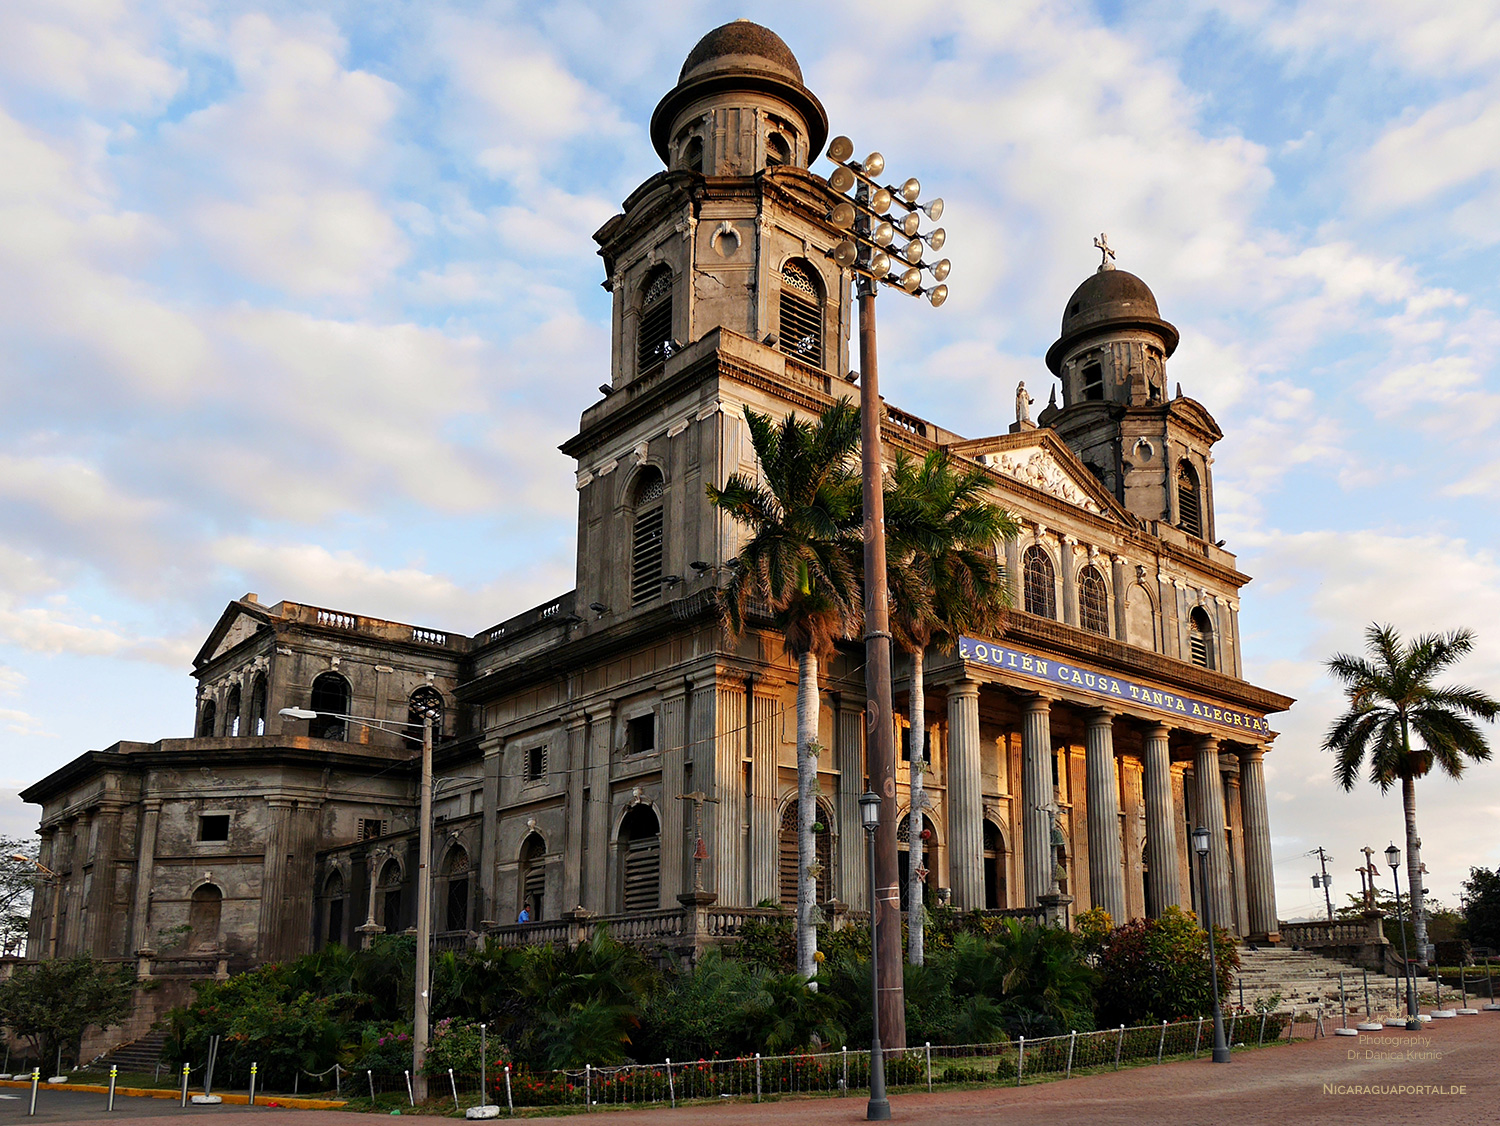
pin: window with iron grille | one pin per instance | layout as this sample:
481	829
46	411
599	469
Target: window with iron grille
1189	501
801	314
1201	639
536	762
1093	601
1041	582
646	542
654	330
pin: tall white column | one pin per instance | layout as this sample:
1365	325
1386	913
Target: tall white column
727	784
675	814
598	893
145	869
1106	874
965	798
1163	889
765	790
1208	799
1260	880
1036	797
849	754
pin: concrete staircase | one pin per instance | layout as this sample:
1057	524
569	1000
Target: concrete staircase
1309	980
137	1056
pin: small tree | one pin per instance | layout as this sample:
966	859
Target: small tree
1482	907
52	1004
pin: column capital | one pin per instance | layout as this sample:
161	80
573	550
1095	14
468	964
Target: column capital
1251	754
962	688
1102	716
1157	729
1207	743
1039	702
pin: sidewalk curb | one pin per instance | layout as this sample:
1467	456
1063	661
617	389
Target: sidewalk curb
230	1098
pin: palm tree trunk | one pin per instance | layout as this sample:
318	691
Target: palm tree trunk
917	713
1414	867
807	812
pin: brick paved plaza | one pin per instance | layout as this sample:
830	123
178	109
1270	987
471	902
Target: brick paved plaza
1449	1076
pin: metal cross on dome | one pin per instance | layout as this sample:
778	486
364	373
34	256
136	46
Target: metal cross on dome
1106	252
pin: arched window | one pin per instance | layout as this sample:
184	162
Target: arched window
1200	638
208	715
1189	500
822	849
692	154
232	712
646	538
534	875
994	866
903	858
203	917
653	339
258	705
1093	601
640	861
389	890
330	698
778	152
1041	583
456	870
333	897
801	313
425	701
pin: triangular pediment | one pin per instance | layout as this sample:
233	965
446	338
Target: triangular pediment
1040	459
240	621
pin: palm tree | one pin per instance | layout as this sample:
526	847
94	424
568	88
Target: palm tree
945	580
1392	696
803	562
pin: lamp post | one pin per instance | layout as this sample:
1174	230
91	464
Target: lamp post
1200	846
1393	858
871	222
879	1108
422	1002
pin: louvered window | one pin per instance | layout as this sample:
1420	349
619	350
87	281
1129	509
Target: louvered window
1201	639
654	330
1041	594
1093	601
801	314
640	853
646	540
822	850
372	827
536	762
1189	501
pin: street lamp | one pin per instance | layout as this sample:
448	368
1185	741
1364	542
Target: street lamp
422	1002
871	222
1393	858
879	1109
1200	846
49	877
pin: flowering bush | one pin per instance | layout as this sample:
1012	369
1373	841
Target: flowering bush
1157	969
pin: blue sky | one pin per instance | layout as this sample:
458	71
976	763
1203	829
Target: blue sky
300	299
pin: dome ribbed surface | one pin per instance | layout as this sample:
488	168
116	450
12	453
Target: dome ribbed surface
741	40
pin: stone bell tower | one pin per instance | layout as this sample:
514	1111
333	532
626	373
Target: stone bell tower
1153	452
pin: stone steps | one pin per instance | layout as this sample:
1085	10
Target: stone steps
138	1055
1309	980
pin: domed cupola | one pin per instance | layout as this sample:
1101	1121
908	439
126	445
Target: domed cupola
739	106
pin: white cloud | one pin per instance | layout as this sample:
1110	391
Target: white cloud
96	52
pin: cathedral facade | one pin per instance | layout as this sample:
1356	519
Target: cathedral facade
1070	757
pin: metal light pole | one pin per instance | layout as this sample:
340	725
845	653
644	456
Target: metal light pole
879	1108
1200	846
1393	858
872	226
421	1009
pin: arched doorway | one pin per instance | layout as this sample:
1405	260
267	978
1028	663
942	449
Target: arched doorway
640	860
456	872
823	851
333	908
388	889
903	858
534	876
994	866
204	911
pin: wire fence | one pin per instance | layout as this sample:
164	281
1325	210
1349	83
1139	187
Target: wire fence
759	1077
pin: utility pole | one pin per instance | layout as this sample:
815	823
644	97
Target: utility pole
423	1000
1323	859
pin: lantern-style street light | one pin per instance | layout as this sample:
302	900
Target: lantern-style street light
1393	858
882	244
1200	846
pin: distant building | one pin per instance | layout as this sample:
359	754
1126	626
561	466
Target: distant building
1114	707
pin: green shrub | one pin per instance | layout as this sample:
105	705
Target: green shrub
1157	969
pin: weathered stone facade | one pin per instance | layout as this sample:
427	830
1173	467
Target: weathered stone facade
1113	711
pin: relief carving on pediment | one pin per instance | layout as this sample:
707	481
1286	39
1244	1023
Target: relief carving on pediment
1040	470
